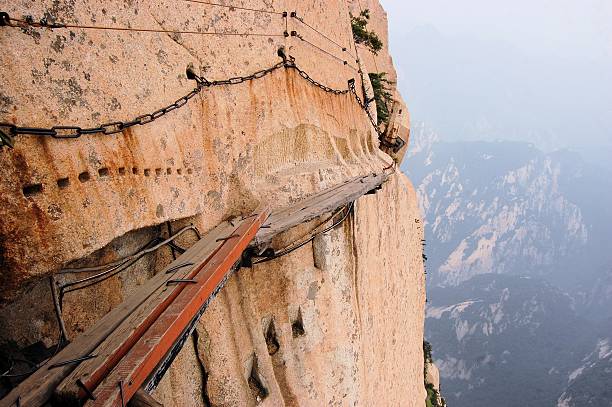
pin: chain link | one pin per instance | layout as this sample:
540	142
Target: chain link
8	131
290	63
363	106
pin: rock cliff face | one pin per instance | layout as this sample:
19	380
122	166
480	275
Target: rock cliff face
344	314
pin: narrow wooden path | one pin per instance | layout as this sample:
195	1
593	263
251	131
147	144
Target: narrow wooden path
130	348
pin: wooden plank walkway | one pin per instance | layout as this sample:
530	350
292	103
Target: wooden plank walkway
38	388
151	349
316	205
137	340
91	372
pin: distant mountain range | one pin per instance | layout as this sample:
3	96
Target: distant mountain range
503	340
519	271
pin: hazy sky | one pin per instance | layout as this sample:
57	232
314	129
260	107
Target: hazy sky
532	70
577	27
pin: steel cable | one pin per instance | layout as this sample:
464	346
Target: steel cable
313	235
9	130
234	7
17	22
301	20
124	259
344	62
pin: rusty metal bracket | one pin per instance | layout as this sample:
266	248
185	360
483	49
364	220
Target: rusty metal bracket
5	19
181	280
178	267
223	239
374	190
121	393
67	362
6	139
85	389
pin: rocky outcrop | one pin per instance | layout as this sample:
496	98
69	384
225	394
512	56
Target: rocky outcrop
589	383
488	331
382	63
432	385
339	321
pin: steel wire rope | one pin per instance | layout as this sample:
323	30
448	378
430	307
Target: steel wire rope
123	259
313	235
127	261
234	7
345	62
16	22
301	20
37	366
7	129
117	266
98	278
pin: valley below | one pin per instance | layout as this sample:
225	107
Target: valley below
519	273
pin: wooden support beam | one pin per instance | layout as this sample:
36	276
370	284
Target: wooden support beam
141	361
38	388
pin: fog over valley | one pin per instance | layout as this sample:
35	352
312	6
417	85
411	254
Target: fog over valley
510	146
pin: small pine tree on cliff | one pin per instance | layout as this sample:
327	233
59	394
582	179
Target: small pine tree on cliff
382	95
362	35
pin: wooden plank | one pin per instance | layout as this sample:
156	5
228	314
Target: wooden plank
316	205
304	202
143	358
37	389
108	353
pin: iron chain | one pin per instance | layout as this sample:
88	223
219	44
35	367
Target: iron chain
363	106
8	131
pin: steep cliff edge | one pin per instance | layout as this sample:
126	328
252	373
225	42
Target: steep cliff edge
339	321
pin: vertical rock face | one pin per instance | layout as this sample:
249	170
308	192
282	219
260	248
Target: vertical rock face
339	321
317	321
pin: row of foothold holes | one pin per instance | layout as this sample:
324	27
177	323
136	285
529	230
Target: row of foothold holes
104	172
256	384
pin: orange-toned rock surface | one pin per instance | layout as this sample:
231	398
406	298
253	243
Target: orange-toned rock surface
356	293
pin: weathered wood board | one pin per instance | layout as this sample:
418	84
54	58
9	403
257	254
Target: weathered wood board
108	353
316	205
38	388
149	351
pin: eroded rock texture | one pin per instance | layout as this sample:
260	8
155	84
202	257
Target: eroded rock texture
338	322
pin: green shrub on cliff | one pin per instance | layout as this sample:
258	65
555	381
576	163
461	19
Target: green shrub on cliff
433	395
382	95
361	34
427	352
